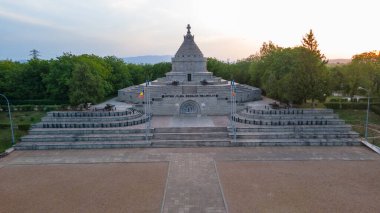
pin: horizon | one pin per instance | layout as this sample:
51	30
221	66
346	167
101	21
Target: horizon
139	28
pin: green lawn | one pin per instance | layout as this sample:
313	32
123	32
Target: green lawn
30	117
358	116
18	118
357	119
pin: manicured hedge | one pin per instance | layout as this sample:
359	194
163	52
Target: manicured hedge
338	100
349	105
375	109
37	102
25	127
34	107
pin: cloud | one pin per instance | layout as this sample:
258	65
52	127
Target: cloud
30	20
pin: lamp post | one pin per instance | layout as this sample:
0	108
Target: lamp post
10	118
366	122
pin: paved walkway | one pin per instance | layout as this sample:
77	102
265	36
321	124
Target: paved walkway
192	183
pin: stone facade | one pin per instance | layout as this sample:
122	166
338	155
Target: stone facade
189	89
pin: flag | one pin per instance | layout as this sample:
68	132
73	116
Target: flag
233	93
141	95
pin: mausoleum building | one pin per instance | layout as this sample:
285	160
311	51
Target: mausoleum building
189	89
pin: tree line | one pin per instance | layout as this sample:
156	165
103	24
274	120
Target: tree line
301	73
288	74
73	79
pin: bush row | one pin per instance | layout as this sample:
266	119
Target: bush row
360	100
24	127
34	107
37	102
349	105
375	109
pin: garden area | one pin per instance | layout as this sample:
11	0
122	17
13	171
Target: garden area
21	123
357	119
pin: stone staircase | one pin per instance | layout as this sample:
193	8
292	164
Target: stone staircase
264	127
292	127
190	137
90	138
89	129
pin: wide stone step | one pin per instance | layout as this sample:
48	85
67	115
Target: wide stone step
296	128
289	111
192	143
190	129
189	136
90	119
292	135
287	122
81	145
72	131
185	143
103	124
74	114
289	117
297	142
76	138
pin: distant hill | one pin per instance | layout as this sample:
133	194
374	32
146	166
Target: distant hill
148	59
339	61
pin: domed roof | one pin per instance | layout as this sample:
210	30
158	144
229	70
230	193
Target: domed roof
189	48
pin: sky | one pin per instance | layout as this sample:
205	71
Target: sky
224	29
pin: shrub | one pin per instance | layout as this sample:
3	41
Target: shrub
375	109
338	100
349	105
4	126
37	102
24	127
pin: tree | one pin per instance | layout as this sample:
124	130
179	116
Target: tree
137	73
160	69
292	75
267	48
10	79
219	68
57	81
120	76
366	66
86	85
255	69
31	76
309	42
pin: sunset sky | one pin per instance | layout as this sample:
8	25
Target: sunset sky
224	29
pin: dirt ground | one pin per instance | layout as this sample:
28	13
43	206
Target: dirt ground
301	186
112	187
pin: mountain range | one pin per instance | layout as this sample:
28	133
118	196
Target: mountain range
148	59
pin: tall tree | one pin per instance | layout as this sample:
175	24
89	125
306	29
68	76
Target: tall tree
57	81
85	85
120	76
309	42
267	48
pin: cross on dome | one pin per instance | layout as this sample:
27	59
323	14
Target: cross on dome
188	29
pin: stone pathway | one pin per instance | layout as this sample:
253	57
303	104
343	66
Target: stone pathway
193	185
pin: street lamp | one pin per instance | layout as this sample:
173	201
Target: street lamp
10	118
366	122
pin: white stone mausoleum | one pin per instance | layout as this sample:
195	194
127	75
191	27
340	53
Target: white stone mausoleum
189	89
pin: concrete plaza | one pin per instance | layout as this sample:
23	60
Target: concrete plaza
263	179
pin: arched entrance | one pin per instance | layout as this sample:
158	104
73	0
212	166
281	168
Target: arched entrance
189	107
